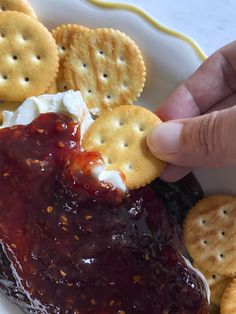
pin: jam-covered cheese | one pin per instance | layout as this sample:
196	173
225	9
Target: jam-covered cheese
74	245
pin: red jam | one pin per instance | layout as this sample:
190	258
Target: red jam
72	245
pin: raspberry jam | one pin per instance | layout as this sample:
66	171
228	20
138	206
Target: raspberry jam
72	245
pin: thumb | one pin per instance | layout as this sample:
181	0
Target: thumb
208	140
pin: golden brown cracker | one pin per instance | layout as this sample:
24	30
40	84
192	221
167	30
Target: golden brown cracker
214	309
63	35
228	301
17	5
107	67
6	105
28	57
120	136
61	83
217	284
210	234
52	88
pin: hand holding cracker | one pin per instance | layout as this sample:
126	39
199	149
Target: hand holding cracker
200	114
120	135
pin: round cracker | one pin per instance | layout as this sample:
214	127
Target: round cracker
107	67
17	5
28	57
217	284
228	301
120	136
52	88
210	234
63	35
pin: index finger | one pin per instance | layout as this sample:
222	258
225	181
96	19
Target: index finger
214	80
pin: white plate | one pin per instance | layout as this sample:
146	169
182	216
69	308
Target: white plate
169	61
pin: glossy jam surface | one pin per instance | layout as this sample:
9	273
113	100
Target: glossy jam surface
73	245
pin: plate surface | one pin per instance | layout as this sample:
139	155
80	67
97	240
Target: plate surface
169	61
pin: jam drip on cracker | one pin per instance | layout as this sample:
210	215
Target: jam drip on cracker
73	245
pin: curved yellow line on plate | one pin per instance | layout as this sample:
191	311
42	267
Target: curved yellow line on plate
151	21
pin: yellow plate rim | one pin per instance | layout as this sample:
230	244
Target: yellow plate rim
153	22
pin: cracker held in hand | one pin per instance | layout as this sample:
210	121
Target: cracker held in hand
107	67
210	234
63	35
17	5
228	302
28	57
217	284
120	136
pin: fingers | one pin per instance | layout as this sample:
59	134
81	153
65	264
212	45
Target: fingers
208	140
210	84
228	102
202	141
174	173
180	104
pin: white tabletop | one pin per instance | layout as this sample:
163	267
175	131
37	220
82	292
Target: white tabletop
212	23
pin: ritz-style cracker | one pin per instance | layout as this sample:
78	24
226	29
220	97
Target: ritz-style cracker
217	284
120	136
210	234
28	57
63	35
107	67
17	5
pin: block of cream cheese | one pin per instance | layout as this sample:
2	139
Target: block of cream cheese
70	103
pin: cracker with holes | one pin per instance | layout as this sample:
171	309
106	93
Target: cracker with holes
107	67
120	136
210	234
17	5
63	35
217	284
228	301
28	57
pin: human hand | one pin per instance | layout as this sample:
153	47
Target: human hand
200	115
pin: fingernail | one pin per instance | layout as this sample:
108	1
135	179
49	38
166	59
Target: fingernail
164	138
